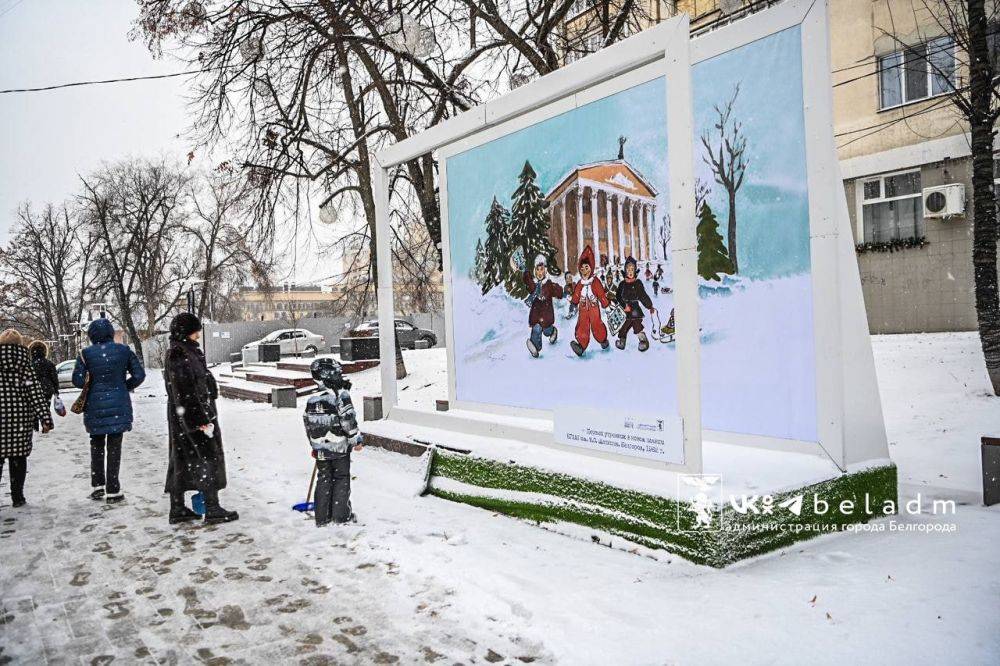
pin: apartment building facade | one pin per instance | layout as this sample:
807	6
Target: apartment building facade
288	302
900	140
903	149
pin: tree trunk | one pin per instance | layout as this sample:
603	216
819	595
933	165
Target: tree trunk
731	240
984	213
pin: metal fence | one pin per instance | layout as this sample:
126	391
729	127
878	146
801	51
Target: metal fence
221	340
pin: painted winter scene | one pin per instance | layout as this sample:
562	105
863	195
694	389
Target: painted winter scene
560	241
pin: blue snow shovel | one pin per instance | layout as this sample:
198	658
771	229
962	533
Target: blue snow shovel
198	504
302	507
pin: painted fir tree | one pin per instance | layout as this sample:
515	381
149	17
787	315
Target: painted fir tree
713	258
496	252
529	230
479	265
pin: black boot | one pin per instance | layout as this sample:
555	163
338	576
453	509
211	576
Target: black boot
214	513
179	513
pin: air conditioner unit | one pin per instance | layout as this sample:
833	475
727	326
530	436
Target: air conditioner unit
944	200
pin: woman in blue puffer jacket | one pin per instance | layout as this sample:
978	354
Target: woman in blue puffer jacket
113	370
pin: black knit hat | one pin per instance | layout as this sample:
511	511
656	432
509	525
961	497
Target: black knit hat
183	325
329	373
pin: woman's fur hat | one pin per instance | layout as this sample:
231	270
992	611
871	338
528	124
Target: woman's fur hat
11	337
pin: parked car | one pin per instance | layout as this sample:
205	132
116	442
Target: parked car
292	341
407	332
65	370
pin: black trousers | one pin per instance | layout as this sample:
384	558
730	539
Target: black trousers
101	475
18	472
333	489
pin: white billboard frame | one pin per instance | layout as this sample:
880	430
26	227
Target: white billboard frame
850	425
660	52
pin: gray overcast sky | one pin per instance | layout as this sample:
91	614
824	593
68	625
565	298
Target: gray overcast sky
50	137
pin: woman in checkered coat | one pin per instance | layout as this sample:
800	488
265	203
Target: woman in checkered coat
23	406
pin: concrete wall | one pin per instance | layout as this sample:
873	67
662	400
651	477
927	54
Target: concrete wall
218	348
928	288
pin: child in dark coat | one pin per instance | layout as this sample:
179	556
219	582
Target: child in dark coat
541	317
332	427
631	296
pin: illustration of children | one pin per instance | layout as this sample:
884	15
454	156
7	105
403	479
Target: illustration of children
656	284
541	317
590	297
631	295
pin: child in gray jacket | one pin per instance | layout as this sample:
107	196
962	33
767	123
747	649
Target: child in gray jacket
332	427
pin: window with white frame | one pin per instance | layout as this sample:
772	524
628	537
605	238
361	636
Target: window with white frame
917	72
892	207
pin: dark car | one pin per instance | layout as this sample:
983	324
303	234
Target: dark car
407	332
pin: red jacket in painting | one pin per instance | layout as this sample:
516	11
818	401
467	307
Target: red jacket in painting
589	294
542	311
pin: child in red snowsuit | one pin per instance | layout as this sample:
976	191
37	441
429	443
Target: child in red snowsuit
589	296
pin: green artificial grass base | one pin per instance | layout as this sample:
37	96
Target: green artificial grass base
661	523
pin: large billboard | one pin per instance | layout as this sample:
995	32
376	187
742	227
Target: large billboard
562	290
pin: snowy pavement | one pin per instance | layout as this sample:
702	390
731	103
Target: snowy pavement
422	580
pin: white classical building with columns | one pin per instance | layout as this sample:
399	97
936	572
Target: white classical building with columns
609	206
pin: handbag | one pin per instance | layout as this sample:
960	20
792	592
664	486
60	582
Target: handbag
80	403
58	406
616	318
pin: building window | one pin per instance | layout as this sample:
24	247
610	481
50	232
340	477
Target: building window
917	73
892	207
580	6
584	47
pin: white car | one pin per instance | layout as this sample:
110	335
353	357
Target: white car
65	370
292	341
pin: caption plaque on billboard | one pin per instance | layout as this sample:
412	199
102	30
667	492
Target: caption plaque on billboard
628	434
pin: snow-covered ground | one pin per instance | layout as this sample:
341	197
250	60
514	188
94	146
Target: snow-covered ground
422	580
763	328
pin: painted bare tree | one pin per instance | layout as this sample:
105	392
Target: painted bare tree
701	192
725	152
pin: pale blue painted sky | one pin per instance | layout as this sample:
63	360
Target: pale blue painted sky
555	146
772	206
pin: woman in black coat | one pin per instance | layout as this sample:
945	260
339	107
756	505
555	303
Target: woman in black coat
197	461
48	376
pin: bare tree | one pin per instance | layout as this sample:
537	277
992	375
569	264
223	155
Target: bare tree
228	251
728	162
135	209
49	270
